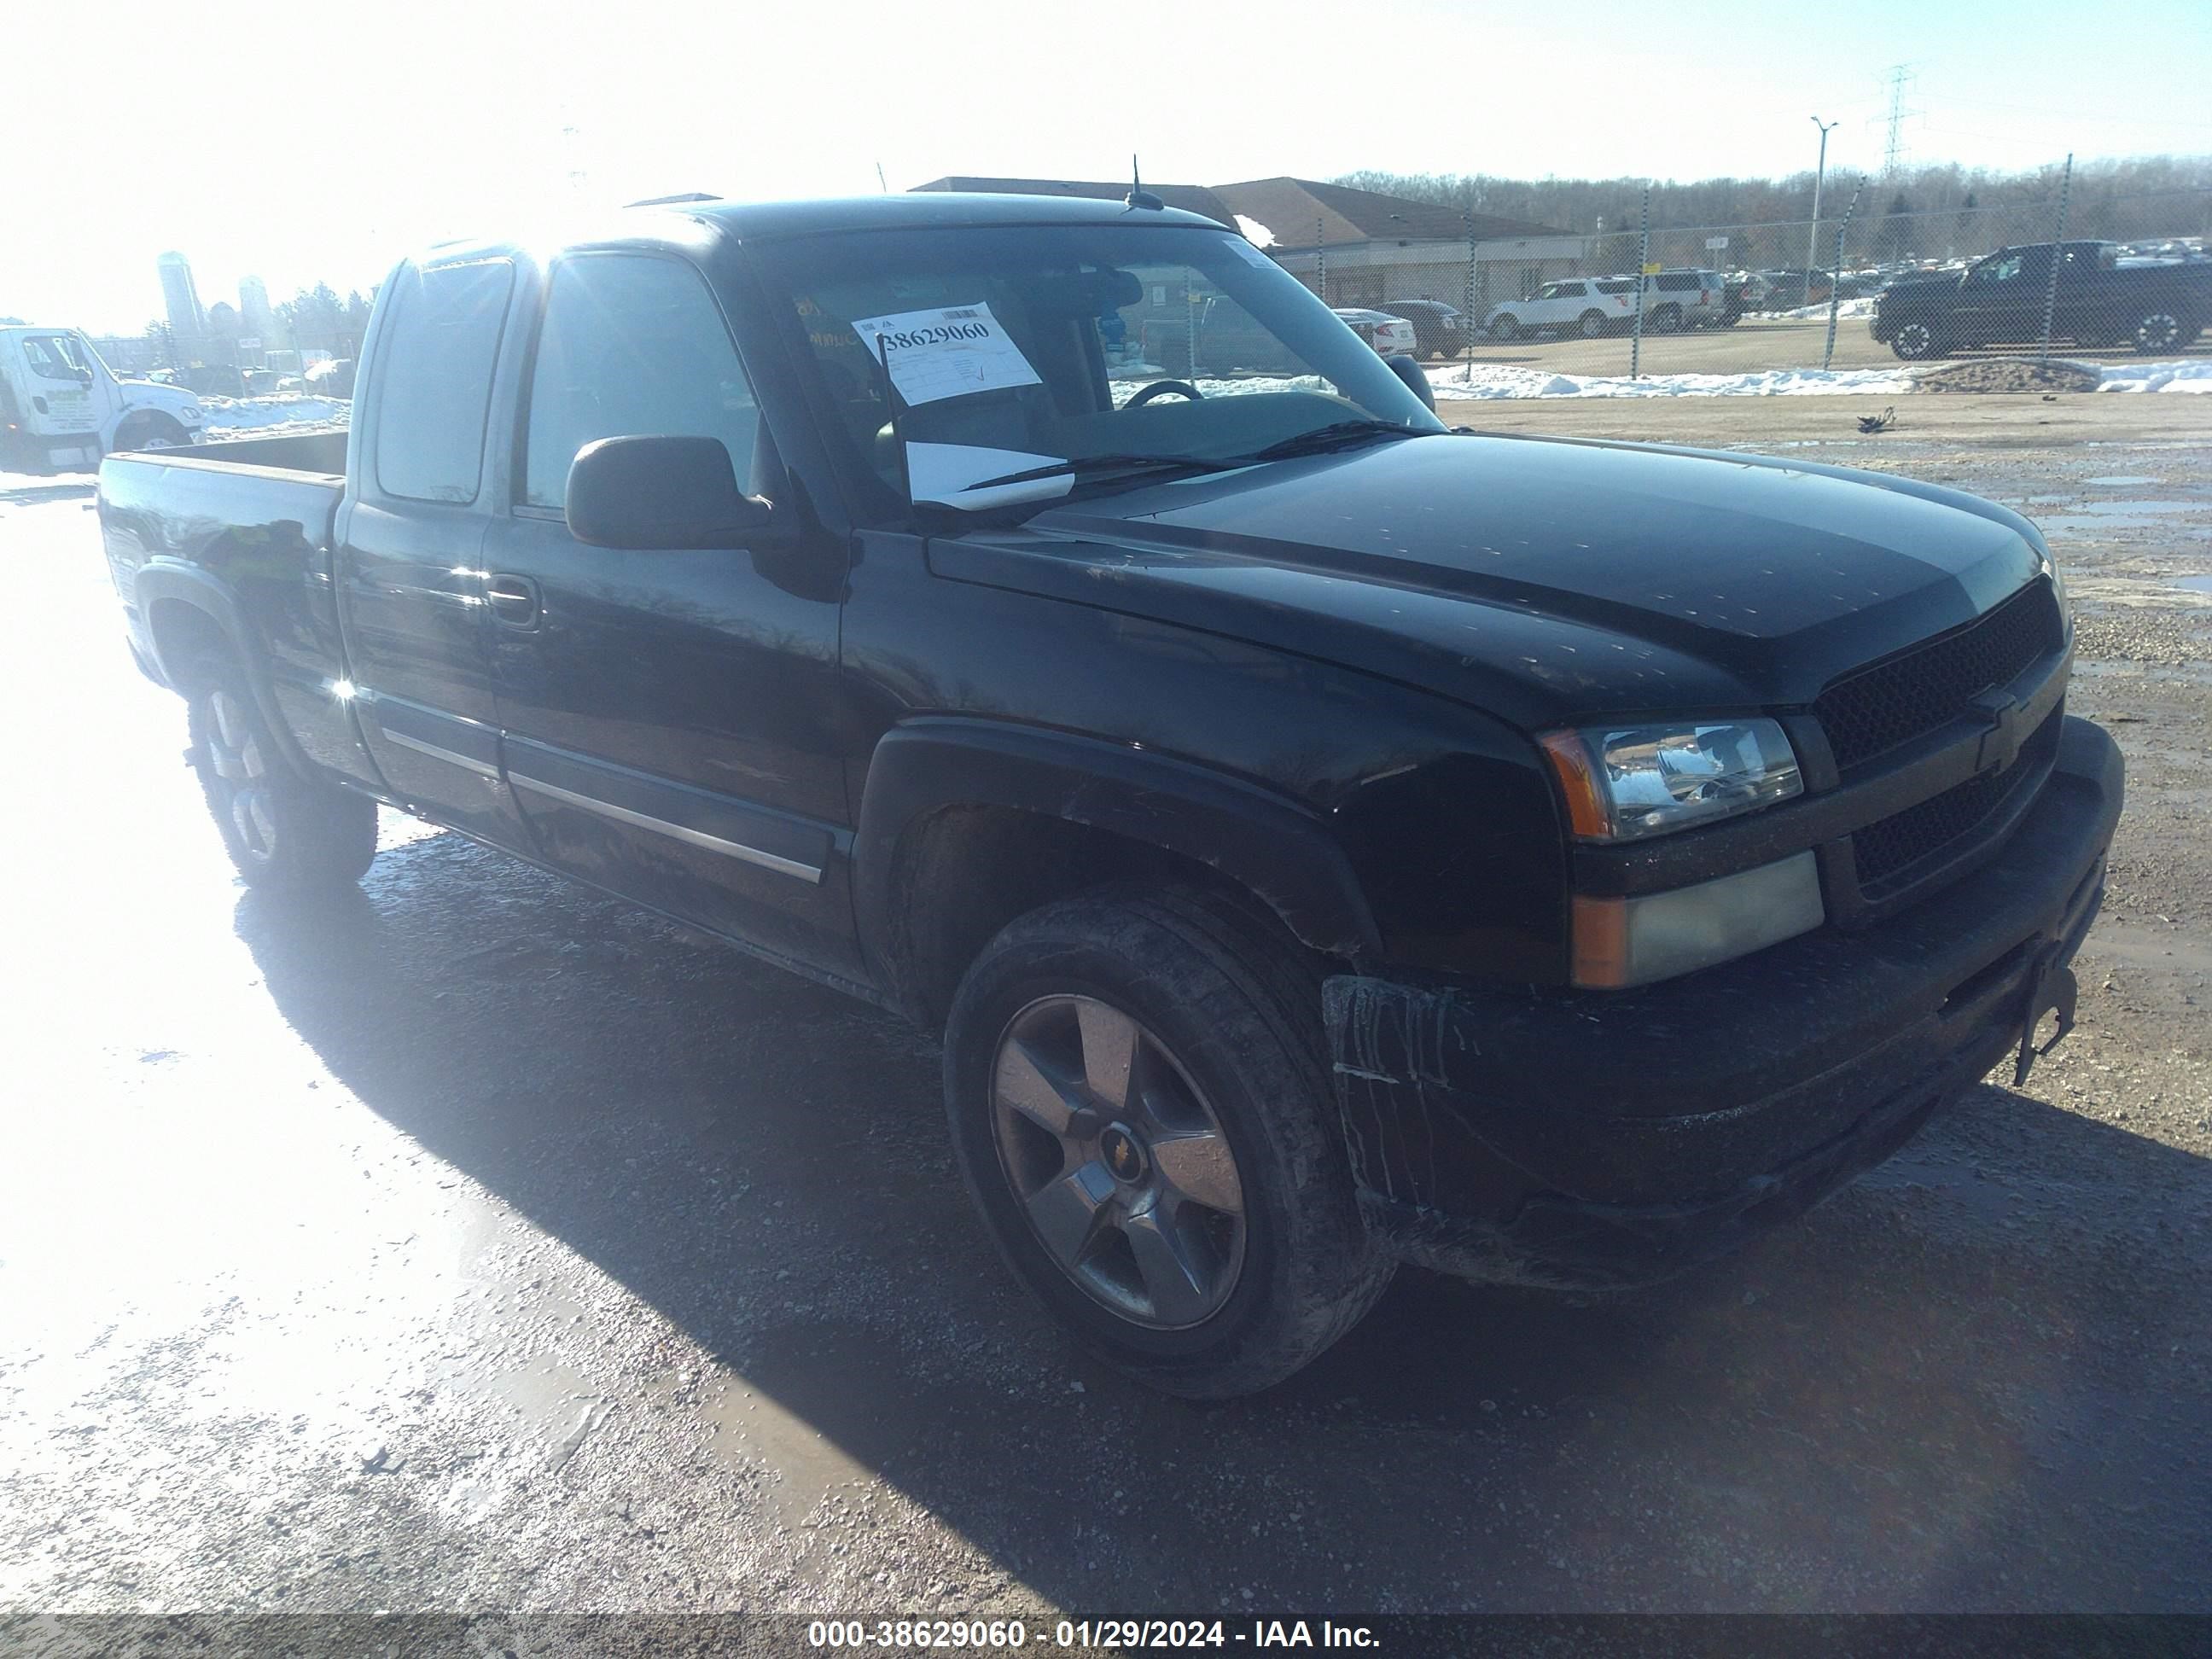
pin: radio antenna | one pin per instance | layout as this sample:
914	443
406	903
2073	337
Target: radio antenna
1138	197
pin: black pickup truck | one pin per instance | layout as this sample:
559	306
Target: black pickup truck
2100	301
1322	840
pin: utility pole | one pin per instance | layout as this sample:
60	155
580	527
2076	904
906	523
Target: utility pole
1813	231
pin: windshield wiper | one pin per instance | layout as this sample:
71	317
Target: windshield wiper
1338	434
1086	466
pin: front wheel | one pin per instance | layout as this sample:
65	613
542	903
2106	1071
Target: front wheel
1913	341
1666	319
285	832
1505	328
2162	330
1140	1106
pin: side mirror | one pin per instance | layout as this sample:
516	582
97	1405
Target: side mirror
647	492
1416	382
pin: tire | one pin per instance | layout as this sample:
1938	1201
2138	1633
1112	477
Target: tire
2162	330
1591	323
1217	1272
152	431
1914	342
1667	319
284	832
1505	328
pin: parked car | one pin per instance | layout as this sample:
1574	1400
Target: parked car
61	406
2001	300
1389	335
1792	290
1676	299
332	378
1587	306
1321	840
1439	329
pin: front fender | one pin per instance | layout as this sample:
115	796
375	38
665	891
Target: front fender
1270	845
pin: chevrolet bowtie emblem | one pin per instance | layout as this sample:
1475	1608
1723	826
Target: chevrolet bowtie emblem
2000	745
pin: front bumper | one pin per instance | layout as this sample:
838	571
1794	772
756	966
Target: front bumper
1590	1139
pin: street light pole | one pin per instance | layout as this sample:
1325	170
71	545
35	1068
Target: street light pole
1813	231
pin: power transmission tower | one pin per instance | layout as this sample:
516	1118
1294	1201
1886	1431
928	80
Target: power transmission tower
1900	78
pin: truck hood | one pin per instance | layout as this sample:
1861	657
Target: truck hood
175	400
1541	579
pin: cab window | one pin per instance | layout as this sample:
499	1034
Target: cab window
434	379
55	357
2004	268
632	345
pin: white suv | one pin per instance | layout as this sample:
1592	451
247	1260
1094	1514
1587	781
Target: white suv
1588	306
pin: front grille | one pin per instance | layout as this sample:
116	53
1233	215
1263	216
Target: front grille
1888	850
1890	704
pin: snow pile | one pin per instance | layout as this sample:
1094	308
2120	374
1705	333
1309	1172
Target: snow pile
2192	375
1485	380
1125	387
1862	306
274	417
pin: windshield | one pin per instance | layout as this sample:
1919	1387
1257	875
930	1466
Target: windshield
1118	348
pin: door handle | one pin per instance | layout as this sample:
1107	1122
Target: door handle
513	599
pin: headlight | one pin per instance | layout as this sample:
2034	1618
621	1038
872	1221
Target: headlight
1623	782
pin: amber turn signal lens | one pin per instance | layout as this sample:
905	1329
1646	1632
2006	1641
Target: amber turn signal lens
1586	810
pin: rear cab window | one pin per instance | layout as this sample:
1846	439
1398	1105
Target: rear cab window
434	379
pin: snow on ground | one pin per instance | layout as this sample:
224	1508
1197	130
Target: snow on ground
271	418
2191	375
1503	380
1861	307
39	486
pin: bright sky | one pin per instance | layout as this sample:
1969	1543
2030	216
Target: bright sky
303	141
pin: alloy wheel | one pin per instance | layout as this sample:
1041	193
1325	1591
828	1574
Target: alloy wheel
2159	331
1118	1161
234	754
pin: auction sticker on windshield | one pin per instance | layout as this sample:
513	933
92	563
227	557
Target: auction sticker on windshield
947	351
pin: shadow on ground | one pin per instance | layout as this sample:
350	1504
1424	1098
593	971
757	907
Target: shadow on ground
1976	1381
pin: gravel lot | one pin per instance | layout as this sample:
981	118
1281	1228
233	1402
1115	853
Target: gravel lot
477	1243
1756	343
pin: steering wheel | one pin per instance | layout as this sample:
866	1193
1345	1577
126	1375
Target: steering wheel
1157	388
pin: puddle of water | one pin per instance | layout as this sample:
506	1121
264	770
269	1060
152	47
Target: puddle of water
2119	479
2194	583
2137	509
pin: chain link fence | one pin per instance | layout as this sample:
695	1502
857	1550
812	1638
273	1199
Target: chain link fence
2115	279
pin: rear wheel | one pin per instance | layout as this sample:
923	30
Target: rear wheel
1507	328
1141	1107
1667	319
284	832
1592	324
2162	330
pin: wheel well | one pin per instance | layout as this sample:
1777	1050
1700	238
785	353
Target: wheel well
184	638
963	872
139	423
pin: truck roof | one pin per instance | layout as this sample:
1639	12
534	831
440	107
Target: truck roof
748	220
